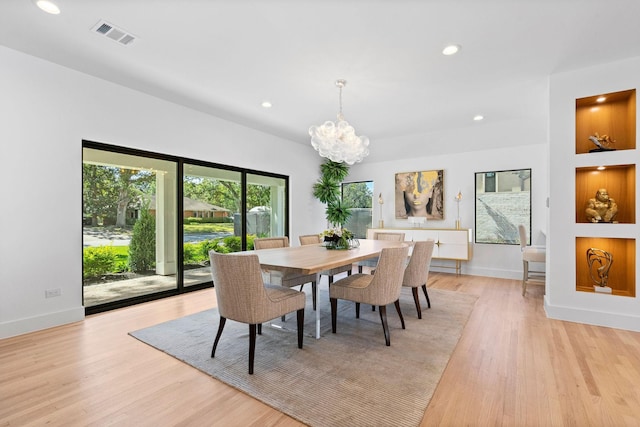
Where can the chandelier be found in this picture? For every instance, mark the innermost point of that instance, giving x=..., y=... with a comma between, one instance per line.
x=338, y=141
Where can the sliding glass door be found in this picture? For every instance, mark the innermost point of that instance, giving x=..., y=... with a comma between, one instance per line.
x=211, y=206
x=266, y=207
x=129, y=226
x=145, y=236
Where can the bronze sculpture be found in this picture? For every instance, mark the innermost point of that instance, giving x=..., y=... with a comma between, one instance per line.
x=601, y=208
x=604, y=260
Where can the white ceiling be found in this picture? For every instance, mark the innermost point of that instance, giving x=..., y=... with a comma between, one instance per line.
x=225, y=57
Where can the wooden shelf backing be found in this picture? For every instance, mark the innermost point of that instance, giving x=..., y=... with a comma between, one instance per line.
x=615, y=117
x=622, y=275
x=620, y=182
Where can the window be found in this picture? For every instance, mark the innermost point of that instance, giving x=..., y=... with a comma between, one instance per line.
x=145, y=236
x=503, y=201
x=359, y=196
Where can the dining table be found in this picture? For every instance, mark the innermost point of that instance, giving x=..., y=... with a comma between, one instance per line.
x=313, y=259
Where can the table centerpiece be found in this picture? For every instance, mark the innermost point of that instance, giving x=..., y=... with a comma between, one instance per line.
x=339, y=238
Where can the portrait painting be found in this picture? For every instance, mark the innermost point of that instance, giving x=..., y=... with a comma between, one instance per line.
x=420, y=194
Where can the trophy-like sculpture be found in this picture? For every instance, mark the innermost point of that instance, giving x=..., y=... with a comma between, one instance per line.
x=601, y=208
x=599, y=262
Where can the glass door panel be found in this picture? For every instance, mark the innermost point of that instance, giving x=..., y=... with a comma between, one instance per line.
x=212, y=219
x=129, y=226
x=266, y=207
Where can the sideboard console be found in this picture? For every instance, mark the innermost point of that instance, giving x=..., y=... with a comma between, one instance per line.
x=450, y=244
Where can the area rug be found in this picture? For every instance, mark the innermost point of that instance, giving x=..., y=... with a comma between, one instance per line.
x=345, y=379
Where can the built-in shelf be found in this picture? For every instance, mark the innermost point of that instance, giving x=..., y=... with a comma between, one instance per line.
x=620, y=183
x=615, y=117
x=622, y=274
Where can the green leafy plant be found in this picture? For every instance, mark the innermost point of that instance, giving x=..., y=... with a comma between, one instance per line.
x=338, y=213
x=327, y=190
x=98, y=261
x=334, y=170
x=142, y=249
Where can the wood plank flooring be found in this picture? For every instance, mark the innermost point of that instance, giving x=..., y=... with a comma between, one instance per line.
x=512, y=367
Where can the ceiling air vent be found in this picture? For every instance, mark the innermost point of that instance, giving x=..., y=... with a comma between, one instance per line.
x=114, y=33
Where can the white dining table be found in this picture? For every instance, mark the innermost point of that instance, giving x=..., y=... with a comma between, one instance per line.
x=312, y=259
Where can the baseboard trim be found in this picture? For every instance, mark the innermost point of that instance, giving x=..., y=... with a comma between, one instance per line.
x=591, y=317
x=37, y=323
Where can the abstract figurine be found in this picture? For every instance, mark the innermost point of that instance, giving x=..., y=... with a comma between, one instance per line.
x=603, y=142
x=602, y=261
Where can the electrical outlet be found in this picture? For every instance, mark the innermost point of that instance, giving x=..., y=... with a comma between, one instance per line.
x=51, y=293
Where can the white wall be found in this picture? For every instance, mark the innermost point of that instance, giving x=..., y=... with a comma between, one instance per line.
x=562, y=301
x=459, y=174
x=46, y=111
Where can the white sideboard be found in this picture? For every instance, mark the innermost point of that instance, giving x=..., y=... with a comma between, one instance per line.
x=450, y=243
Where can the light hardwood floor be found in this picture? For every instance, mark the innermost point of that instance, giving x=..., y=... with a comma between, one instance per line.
x=512, y=367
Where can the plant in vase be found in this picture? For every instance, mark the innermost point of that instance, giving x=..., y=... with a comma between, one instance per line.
x=338, y=238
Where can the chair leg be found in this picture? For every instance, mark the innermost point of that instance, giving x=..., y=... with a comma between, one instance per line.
x=259, y=328
x=357, y=310
x=314, y=293
x=424, y=288
x=334, y=313
x=283, y=318
x=359, y=269
x=525, y=276
x=385, y=326
x=252, y=346
x=223, y=320
x=373, y=308
x=300, y=326
x=414, y=291
x=330, y=280
x=397, y=304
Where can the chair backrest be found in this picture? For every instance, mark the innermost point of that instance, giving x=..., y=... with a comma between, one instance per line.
x=523, y=236
x=386, y=284
x=240, y=291
x=310, y=239
x=396, y=237
x=271, y=242
x=417, y=272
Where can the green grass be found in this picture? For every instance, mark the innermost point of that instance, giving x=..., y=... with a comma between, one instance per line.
x=224, y=227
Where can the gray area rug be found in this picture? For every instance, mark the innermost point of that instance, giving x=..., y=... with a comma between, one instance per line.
x=345, y=379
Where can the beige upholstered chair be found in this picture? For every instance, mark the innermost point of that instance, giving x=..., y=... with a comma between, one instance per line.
x=289, y=277
x=530, y=253
x=242, y=296
x=380, y=235
x=314, y=239
x=379, y=289
x=417, y=272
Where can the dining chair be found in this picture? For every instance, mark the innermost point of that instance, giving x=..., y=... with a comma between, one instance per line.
x=416, y=274
x=242, y=296
x=378, y=289
x=289, y=277
x=380, y=235
x=530, y=253
x=314, y=239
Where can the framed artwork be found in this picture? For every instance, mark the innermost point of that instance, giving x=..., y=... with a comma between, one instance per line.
x=420, y=194
x=502, y=202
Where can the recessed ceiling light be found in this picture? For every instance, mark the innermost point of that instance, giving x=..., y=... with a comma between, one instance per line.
x=48, y=6
x=266, y=104
x=478, y=117
x=601, y=168
x=601, y=99
x=452, y=49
